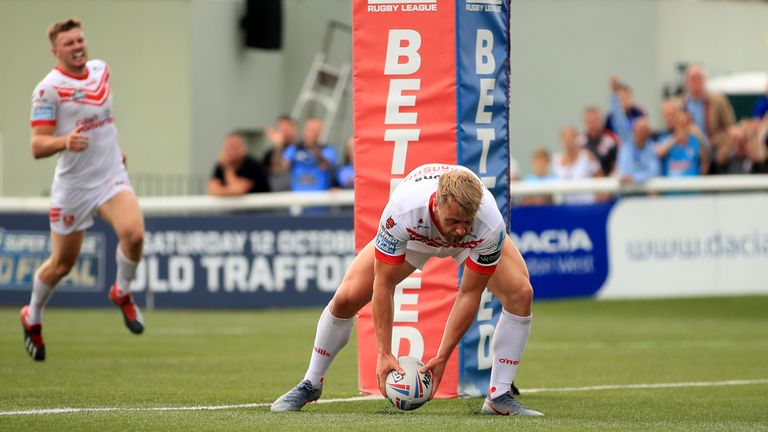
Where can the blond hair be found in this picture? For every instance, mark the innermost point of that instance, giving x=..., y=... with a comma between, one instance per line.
x=61, y=27
x=461, y=187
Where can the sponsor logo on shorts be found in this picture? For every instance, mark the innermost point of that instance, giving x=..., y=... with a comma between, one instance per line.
x=390, y=223
x=54, y=214
x=488, y=259
x=503, y=360
x=68, y=220
x=386, y=243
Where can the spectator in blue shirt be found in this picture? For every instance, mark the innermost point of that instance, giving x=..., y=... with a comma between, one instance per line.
x=683, y=153
x=761, y=106
x=637, y=161
x=311, y=163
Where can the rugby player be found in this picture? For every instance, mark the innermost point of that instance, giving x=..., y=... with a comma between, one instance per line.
x=437, y=211
x=72, y=118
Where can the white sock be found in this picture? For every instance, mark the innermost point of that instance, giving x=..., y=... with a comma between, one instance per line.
x=41, y=293
x=332, y=334
x=509, y=340
x=126, y=272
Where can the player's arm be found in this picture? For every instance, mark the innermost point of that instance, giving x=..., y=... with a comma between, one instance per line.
x=45, y=144
x=461, y=317
x=386, y=276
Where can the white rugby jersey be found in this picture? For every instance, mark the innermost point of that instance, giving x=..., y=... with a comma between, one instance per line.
x=67, y=101
x=409, y=223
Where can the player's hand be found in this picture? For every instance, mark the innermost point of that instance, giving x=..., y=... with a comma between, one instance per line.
x=385, y=364
x=436, y=367
x=76, y=141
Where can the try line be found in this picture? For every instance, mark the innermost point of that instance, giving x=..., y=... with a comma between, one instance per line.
x=374, y=397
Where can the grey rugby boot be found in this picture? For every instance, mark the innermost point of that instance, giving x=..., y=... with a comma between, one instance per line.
x=506, y=404
x=297, y=397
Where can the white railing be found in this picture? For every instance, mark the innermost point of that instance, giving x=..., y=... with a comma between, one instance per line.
x=295, y=202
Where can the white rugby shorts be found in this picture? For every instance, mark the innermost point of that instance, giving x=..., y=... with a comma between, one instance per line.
x=72, y=209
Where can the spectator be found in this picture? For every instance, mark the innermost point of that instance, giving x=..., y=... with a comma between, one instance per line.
x=575, y=163
x=236, y=172
x=541, y=161
x=744, y=154
x=682, y=152
x=710, y=111
x=602, y=143
x=631, y=110
x=761, y=106
x=345, y=175
x=637, y=159
x=280, y=137
x=311, y=162
x=669, y=110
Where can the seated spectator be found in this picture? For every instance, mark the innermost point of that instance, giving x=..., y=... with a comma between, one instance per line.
x=637, y=159
x=682, y=153
x=631, y=110
x=280, y=137
x=761, y=106
x=540, y=162
x=345, y=175
x=575, y=163
x=602, y=143
x=236, y=172
x=744, y=153
x=710, y=111
x=311, y=162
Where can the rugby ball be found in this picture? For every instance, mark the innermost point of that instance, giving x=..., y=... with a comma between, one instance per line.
x=412, y=390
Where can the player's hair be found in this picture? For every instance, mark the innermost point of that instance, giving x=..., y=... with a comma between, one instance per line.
x=61, y=27
x=463, y=188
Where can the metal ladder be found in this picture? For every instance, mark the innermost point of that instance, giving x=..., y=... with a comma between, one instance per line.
x=325, y=84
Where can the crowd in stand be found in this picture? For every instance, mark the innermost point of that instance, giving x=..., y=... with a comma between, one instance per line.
x=700, y=136
x=292, y=163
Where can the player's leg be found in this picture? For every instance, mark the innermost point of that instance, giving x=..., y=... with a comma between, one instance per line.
x=333, y=329
x=511, y=285
x=65, y=248
x=122, y=211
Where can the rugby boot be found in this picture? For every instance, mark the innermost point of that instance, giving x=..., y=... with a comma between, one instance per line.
x=132, y=316
x=33, y=337
x=505, y=404
x=297, y=397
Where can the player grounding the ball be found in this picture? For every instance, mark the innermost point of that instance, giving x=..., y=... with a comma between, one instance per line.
x=437, y=211
x=72, y=118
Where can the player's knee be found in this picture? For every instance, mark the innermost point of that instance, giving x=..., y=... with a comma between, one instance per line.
x=344, y=306
x=133, y=238
x=62, y=268
x=523, y=290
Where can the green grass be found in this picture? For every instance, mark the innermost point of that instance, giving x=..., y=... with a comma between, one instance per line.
x=236, y=357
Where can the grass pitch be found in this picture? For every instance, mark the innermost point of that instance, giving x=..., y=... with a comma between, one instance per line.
x=200, y=358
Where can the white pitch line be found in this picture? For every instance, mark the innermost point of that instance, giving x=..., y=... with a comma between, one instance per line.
x=374, y=397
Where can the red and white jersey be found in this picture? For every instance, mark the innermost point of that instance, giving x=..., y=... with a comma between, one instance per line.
x=67, y=101
x=409, y=223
